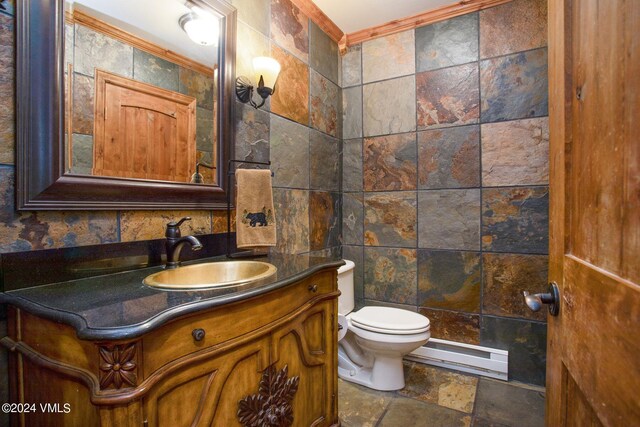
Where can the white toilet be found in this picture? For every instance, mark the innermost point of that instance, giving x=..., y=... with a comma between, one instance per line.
x=373, y=340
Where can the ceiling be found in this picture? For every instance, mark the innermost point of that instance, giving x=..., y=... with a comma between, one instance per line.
x=355, y=15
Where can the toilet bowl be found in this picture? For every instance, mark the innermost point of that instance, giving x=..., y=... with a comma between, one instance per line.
x=373, y=340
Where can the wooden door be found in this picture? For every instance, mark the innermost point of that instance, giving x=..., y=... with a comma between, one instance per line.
x=142, y=131
x=593, y=371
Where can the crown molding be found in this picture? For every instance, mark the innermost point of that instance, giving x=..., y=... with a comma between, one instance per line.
x=309, y=8
x=429, y=17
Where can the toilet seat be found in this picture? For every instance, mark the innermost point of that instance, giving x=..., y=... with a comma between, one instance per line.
x=394, y=338
x=387, y=320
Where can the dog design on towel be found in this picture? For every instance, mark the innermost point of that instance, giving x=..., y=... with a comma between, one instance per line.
x=258, y=219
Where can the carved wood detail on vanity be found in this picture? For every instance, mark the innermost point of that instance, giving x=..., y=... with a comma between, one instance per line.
x=271, y=406
x=118, y=366
x=281, y=344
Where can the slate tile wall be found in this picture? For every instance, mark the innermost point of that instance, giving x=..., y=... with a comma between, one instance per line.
x=301, y=124
x=445, y=176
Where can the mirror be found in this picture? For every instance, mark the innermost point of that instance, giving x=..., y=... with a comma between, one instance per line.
x=122, y=109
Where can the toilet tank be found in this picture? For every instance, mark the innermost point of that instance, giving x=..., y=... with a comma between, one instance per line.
x=346, y=301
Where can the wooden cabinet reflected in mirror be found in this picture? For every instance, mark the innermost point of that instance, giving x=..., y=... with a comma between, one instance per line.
x=138, y=112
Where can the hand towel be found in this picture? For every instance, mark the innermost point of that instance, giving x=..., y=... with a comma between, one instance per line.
x=255, y=216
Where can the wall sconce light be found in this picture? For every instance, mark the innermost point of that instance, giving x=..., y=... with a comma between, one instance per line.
x=266, y=72
x=200, y=28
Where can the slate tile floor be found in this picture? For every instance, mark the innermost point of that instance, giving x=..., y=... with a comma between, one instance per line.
x=437, y=397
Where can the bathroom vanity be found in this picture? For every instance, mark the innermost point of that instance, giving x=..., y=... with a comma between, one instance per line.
x=110, y=351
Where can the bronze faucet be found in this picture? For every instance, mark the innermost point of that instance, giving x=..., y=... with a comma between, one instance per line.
x=175, y=242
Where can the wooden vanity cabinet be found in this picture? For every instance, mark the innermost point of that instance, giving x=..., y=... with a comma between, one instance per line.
x=268, y=360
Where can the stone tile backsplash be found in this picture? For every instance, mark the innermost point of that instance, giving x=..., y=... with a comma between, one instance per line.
x=506, y=276
x=514, y=86
x=388, y=57
x=447, y=97
x=515, y=27
x=352, y=165
x=324, y=224
x=292, y=101
x=289, y=153
x=323, y=53
x=324, y=162
x=289, y=28
x=390, y=219
x=389, y=107
x=515, y=219
x=325, y=104
x=149, y=225
x=352, y=66
x=449, y=158
x=447, y=43
x=515, y=152
x=449, y=280
x=7, y=90
x=389, y=162
x=449, y=219
x=391, y=275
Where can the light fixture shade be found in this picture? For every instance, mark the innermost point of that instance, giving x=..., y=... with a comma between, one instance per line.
x=202, y=30
x=268, y=68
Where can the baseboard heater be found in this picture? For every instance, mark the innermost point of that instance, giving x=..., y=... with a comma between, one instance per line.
x=473, y=359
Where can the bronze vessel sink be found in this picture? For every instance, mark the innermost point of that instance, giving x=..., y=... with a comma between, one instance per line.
x=211, y=275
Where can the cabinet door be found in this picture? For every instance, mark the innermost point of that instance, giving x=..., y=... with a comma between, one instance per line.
x=307, y=346
x=205, y=391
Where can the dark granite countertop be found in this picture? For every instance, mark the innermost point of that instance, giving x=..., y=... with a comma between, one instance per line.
x=120, y=306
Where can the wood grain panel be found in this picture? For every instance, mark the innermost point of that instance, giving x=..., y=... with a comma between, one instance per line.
x=45, y=386
x=605, y=369
x=123, y=415
x=425, y=18
x=605, y=223
x=142, y=131
x=242, y=380
x=581, y=414
x=560, y=99
x=594, y=58
x=213, y=387
x=291, y=348
x=57, y=341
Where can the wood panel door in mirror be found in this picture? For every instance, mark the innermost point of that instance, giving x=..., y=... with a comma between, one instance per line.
x=142, y=131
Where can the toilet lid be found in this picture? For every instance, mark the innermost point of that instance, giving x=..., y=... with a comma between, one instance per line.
x=389, y=320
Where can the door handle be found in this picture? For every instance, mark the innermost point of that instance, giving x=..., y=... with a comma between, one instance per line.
x=535, y=301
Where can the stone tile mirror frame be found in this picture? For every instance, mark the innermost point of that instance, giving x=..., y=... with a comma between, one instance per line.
x=41, y=181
